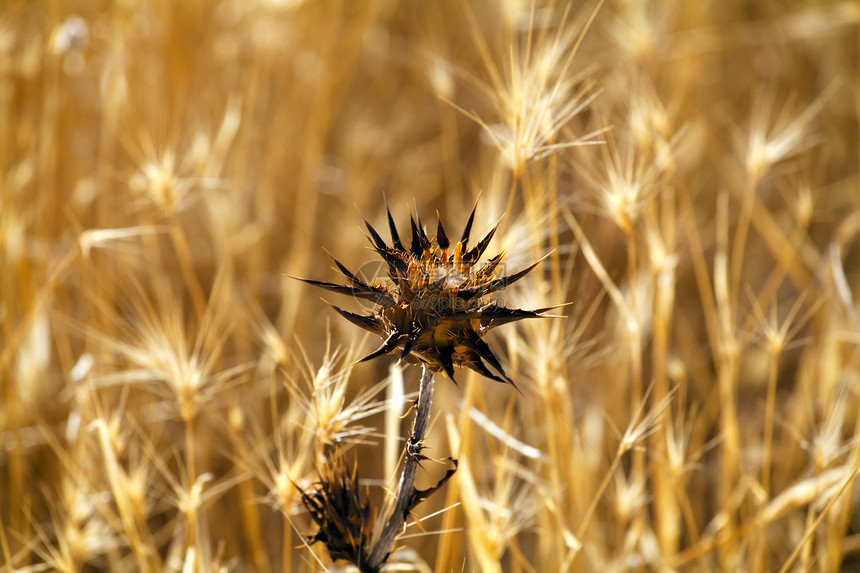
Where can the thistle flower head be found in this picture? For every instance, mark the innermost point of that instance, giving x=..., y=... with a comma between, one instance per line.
x=436, y=304
x=343, y=515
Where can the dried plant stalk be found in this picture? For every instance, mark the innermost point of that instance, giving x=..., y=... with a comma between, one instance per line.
x=407, y=495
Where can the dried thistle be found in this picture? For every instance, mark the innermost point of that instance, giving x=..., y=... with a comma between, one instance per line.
x=436, y=305
x=434, y=308
x=336, y=505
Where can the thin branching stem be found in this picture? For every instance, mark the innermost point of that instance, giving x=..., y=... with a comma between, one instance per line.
x=406, y=488
x=191, y=470
x=186, y=265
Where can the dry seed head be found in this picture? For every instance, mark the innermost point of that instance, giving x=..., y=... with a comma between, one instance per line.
x=83, y=533
x=279, y=460
x=283, y=491
x=514, y=506
x=643, y=424
x=332, y=419
x=630, y=495
x=436, y=305
x=640, y=31
x=158, y=179
x=533, y=93
x=826, y=444
x=777, y=337
x=773, y=140
x=651, y=123
x=498, y=520
x=628, y=178
x=343, y=516
x=680, y=435
x=171, y=179
x=153, y=348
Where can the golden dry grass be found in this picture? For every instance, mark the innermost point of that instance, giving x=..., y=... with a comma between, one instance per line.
x=693, y=167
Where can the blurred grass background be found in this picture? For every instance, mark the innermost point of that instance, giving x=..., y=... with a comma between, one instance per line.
x=693, y=167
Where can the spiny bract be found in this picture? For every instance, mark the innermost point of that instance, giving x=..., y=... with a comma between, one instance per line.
x=340, y=511
x=436, y=307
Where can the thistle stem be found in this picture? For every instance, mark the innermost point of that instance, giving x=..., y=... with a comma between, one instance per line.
x=406, y=488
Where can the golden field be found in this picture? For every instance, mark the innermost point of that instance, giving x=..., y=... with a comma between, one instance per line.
x=691, y=168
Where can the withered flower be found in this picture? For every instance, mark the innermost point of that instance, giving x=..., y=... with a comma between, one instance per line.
x=335, y=504
x=436, y=304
